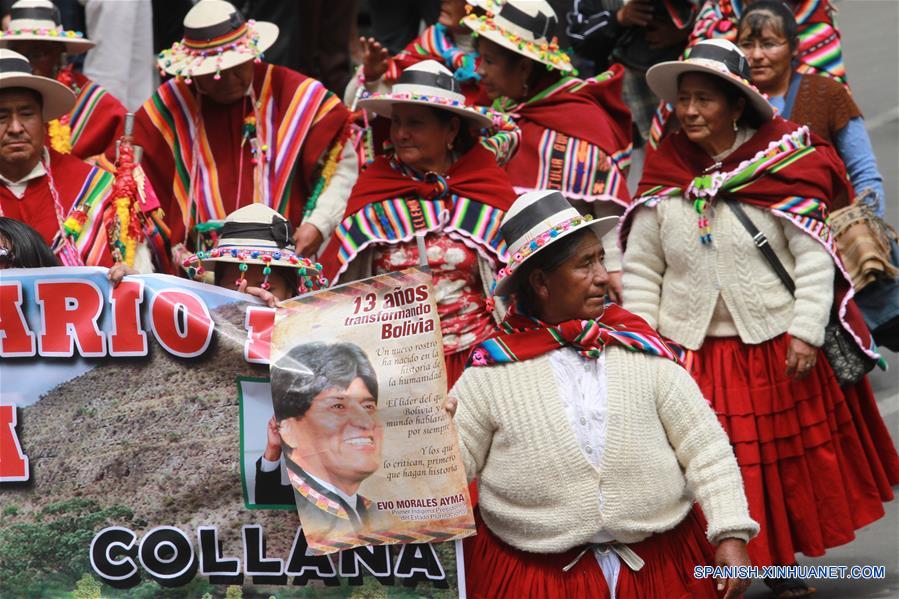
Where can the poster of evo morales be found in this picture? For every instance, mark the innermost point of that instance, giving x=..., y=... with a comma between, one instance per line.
x=132, y=420
x=358, y=385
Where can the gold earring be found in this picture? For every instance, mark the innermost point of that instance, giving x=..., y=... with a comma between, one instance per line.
x=735, y=125
x=449, y=145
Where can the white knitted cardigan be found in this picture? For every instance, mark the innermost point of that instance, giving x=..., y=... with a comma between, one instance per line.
x=537, y=491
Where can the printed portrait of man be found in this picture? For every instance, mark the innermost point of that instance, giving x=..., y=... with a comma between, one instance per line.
x=325, y=399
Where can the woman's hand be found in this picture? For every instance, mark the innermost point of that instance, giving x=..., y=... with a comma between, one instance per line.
x=307, y=239
x=450, y=406
x=732, y=553
x=636, y=13
x=374, y=59
x=118, y=272
x=801, y=358
x=267, y=296
x=615, y=286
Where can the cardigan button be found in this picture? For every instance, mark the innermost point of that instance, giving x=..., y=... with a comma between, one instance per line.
x=583, y=420
x=588, y=449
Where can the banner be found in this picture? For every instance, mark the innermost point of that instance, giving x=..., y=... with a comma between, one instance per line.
x=359, y=384
x=133, y=423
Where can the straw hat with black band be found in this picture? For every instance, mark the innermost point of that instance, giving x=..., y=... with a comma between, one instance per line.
x=526, y=27
x=719, y=58
x=533, y=223
x=15, y=72
x=216, y=38
x=427, y=83
x=257, y=234
x=40, y=21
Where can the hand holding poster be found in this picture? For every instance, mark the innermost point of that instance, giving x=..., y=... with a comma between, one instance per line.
x=358, y=388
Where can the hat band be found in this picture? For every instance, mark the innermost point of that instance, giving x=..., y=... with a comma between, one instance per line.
x=438, y=80
x=277, y=232
x=37, y=13
x=732, y=59
x=540, y=25
x=541, y=210
x=15, y=65
x=203, y=37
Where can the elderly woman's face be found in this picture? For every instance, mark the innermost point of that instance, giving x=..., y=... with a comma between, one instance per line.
x=704, y=112
x=769, y=55
x=421, y=140
x=501, y=76
x=576, y=289
x=231, y=86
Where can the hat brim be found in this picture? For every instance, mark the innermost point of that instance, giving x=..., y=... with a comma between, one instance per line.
x=600, y=226
x=496, y=36
x=662, y=80
x=383, y=105
x=176, y=63
x=73, y=45
x=57, y=98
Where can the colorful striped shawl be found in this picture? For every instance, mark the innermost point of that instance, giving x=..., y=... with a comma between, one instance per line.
x=282, y=125
x=93, y=199
x=781, y=158
x=435, y=43
x=523, y=338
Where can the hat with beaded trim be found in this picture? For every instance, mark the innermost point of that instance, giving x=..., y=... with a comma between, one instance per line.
x=40, y=21
x=717, y=57
x=535, y=221
x=216, y=38
x=527, y=27
x=428, y=83
x=257, y=234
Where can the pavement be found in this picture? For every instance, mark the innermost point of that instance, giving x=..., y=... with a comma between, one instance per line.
x=871, y=51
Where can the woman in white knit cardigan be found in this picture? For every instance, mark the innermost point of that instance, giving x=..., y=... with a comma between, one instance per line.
x=589, y=440
x=817, y=460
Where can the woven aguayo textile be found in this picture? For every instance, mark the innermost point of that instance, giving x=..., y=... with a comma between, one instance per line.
x=783, y=168
x=93, y=123
x=523, y=337
x=205, y=160
x=576, y=138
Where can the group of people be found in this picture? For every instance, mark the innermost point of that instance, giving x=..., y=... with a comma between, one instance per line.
x=640, y=384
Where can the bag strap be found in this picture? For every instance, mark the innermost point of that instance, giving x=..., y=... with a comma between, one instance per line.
x=761, y=242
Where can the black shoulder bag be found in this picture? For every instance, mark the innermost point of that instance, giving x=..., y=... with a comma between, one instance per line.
x=849, y=363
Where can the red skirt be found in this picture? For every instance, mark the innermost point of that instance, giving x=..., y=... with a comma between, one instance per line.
x=817, y=460
x=455, y=365
x=494, y=569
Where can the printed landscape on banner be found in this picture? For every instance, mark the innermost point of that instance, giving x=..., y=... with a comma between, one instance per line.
x=358, y=386
x=131, y=420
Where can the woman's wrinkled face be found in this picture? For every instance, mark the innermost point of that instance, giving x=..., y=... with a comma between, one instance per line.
x=704, y=112
x=501, y=76
x=576, y=289
x=421, y=140
x=769, y=54
x=45, y=57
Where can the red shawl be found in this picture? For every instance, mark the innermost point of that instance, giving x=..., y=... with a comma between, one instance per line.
x=797, y=178
x=523, y=338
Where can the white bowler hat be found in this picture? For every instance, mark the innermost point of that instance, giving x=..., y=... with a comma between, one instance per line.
x=216, y=38
x=527, y=27
x=533, y=223
x=719, y=58
x=39, y=20
x=428, y=83
x=15, y=71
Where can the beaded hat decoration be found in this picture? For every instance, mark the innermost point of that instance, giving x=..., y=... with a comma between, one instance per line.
x=428, y=83
x=216, y=38
x=15, y=71
x=39, y=20
x=526, y=27
x=257, y=234
x=534, y=222
x=717, y=57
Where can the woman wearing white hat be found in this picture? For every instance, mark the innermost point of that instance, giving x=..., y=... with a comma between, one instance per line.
x=230, y=130
x=729, y=253
x=585, y=434
x=442, y=184
x=91, y=126
x=576, y=134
